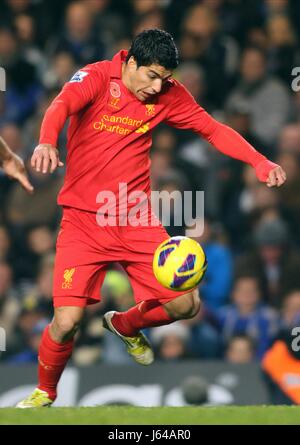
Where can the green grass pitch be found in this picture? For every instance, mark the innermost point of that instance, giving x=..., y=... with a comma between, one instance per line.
x=129, y=415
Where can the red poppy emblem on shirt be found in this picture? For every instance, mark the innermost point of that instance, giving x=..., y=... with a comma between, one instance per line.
x=115, y=90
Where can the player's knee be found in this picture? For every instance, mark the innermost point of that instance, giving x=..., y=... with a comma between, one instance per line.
x=65, y=325
x=65, y=328
x=191, y=306
x=184, y=307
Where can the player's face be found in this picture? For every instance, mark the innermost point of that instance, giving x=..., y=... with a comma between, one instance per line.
x=146, y=81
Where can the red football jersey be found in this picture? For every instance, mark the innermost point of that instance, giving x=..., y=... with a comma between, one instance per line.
x=109, y=135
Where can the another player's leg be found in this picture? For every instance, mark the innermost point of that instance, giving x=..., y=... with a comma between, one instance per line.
x=54, y=352
x=148, y=314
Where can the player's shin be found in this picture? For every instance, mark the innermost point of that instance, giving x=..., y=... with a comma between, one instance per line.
x=147, y=314
x=53, y=358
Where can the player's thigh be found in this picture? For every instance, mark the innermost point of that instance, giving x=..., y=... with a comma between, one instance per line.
x=79, y=268
x=76, y=284
x=142, y=243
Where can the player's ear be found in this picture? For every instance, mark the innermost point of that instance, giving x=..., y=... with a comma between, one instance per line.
x=132, y=63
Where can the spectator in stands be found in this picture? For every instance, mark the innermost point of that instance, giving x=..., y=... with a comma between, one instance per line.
x=110, y=24
x=240, y=350
x=239, y=118
x=204, y=340
x=26, y=31
x=17, y=341
x=39, y=297
x=171, y=342
x=216, y=286
x=268, y=100
x=34, y=243
x=296, y=97
x=191, y=75
x=32, y=341
x=194, y=155
x=60, y=71
x=247, y=315
x=290, y=311
x=5, y=243
x=78, y=36
x=23, y=88
x=39, y=208
x=11, y=133
x=239, y=185
x=40, y=240
x=165, y=139
x=289, y=139
x=283, y=53
x=12, y=253
x=201, y=41
x=172, y=183
x=273, y=261
x=162, y=161
x=289, y=197
x=150, y=20
x=275, y=7
x=141, y=7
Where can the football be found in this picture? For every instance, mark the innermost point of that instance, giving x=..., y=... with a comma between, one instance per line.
x=179, y=263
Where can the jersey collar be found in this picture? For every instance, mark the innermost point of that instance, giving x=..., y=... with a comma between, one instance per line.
x=116, y=64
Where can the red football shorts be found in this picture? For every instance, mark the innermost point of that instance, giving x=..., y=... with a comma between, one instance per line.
x=84, y=251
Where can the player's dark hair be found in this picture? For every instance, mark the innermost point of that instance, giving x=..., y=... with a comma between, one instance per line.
x=154, y=46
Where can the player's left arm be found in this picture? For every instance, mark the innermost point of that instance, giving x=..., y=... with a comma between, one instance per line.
x=185, y=113
x=232, y=144
x=13, y=166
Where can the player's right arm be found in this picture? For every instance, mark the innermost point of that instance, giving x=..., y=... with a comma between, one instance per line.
x=82, y=89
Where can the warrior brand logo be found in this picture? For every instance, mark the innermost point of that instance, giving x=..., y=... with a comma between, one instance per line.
x=150, y=109
x=144, y=129
x=68, y=277
x=115, y=90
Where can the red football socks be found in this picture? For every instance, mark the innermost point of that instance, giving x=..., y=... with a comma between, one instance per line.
x=147, y=314
x=53, y=358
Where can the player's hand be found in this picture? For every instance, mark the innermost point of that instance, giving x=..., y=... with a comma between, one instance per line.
x=15, y=169
x=270, y=173
x=45, y=158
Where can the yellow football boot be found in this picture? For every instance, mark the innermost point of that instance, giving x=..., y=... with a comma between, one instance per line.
x=37, y=399
x=138, y=347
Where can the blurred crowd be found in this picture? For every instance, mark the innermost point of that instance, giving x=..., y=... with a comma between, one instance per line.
x=237, y=58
